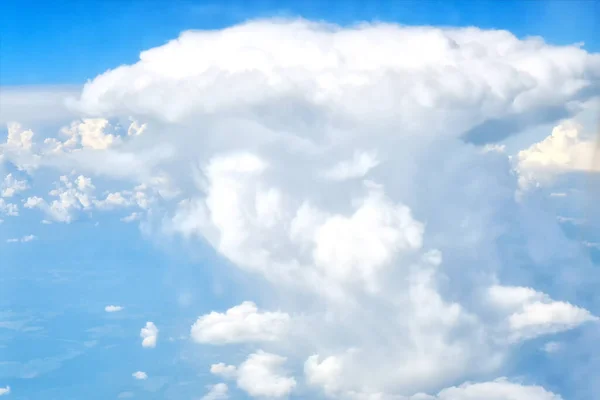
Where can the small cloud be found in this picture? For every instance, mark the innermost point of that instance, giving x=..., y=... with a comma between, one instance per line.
x=149, y=335
x=357, y=167
x=592, y=245
x=552, y=347
x=217, y=392
x=223, y=370
x=12, y=186
x=558, y=194
x=24, y=239
x=4, y=390
x=112, y=308
x=140, y=375
x=135, y=216
x=496, y=148
x=570, y=220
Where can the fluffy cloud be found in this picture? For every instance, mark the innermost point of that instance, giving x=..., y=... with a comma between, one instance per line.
x=338, y=165
x=220, y=391
x=242, y=323
x=224, y=370
x=500, y=389
x=261, y=375
x=360, y=164
x=567, y=149
x=111, y=309
x=140, y=375
x=533, y=313
x=149, y=335
x=4, y=390
x=72, y=196
x=11, y=186
x=9, y=209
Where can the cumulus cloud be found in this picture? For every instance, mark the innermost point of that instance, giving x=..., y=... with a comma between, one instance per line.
x=532, y=313
x=12, y=186
x=220, y=391
x=242, y=323
x=72, y=196
x=344, y=166
x=9, y=209
x=223, y=370
x=111, y=309
x=500, y=389
x=261, y=375
x=140, y=375
x=149, y=335
x=4, y=390
x=567, y=149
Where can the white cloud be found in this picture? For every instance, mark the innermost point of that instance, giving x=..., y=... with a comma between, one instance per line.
x=500, y=389
x=4, y=390
x=77, y=195
x=224, y=370
x=325, y=374
x=35, y=104
x=111, y=309
x=9, y=209
x=220, y=391
x=552, y=347
x=140, y=375
x=261, y=375
x=23, y=239
x=565, y=150
x=531, y=313
x=380, y=276
x=73, y=196
x=18, y=139
x=242, y=323
x=134, y=216
x=358, y=167
x=12, y=186
x=149, y=335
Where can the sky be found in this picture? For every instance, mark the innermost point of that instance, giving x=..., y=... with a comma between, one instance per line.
x=299, y=200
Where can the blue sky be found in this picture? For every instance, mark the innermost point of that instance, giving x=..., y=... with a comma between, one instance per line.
x=297, y=210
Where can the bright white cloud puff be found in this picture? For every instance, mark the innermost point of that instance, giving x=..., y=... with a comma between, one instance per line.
x=149, y=335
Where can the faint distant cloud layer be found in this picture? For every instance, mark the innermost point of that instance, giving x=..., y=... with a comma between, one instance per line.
x=49, y=103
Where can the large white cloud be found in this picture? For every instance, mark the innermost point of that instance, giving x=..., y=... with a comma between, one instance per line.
x=333, y=163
